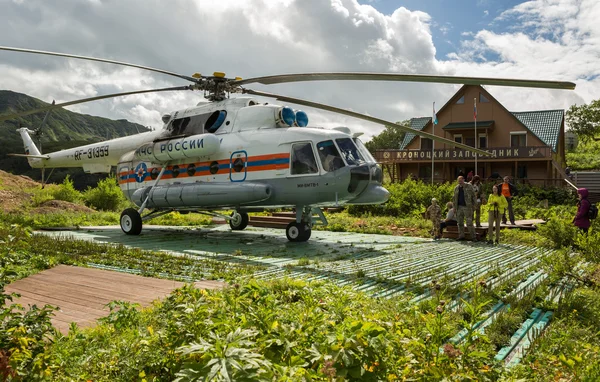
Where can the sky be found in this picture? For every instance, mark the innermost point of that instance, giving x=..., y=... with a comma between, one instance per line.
x=536, y=39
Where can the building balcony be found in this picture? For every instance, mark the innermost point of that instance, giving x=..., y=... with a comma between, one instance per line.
x=523, y=153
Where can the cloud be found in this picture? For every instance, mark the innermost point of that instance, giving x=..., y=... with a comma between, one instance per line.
x=262, y=37
x=486, y=13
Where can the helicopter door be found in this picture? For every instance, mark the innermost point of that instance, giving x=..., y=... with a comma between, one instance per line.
x=238, y=165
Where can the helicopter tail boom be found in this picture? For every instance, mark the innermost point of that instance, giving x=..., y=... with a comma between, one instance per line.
x=32, y=153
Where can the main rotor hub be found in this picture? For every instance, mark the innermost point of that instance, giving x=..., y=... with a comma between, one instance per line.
x=216, y=87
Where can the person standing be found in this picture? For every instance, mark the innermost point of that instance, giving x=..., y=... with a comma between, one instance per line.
x=581, y=219
x=434, y=213
x=464, y=200
x=509, y=191
x=497, y=203
x=477, y=187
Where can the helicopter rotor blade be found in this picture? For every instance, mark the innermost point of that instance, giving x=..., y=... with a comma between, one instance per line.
x=83, y=100
x=365, y=118
x=187, y=78
x=302, y=77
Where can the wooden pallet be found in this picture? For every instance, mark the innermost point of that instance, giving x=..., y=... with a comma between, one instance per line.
x=82, y=293
x=452, y=233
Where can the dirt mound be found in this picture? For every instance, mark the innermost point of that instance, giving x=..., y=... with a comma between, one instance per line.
x=12, y=182
x=14, y=191
x=58, y=206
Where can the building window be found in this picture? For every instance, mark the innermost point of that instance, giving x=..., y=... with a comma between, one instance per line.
x=482, y=98
x=426, y=144
x=458, y=138
x=461, y=100
x=518, y=139
x=521, y=171
x=425, y=172
x=483, y=141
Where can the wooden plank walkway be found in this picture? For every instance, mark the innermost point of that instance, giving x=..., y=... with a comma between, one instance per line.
x=82, y=293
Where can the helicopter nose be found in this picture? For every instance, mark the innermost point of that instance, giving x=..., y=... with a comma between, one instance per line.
x=374, y=194
x=359, y=179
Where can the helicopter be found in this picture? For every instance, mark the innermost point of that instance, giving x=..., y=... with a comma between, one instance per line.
x=240, y=154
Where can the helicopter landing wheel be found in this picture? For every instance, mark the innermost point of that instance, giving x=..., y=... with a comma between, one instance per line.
x=239, y=220
x=298, y=232
x=131, y=222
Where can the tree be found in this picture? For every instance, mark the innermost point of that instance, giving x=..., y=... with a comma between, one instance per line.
x=390, y=138
x=584, y=120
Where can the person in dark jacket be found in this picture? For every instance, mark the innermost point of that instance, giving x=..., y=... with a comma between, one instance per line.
x=581, y=219
x=509, y=191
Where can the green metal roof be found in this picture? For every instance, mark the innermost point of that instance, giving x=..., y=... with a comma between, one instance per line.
x=415, y=124
x=467, y=125
x=543, y=124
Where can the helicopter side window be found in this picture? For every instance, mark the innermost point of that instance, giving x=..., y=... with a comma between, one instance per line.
x=349, y=151
x=329, y=156
x=303, y=159
x=189, y=125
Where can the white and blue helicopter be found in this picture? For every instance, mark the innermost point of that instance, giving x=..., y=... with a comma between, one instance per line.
x=240, y=154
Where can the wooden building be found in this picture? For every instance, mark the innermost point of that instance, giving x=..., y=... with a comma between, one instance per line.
x=528, y=146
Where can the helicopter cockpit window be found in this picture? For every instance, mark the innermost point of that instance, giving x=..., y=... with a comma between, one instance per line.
x=303, y=159
x=364, y=150
x=350, y=152
x=329, y=156
x=215, y=121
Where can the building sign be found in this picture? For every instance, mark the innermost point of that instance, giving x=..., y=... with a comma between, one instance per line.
x=460, y=154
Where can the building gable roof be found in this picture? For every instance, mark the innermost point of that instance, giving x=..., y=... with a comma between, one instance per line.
x=415, y=124
x=544, y=124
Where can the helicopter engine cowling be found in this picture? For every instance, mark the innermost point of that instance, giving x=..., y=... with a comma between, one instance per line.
x=202, y=195
x=180, y=148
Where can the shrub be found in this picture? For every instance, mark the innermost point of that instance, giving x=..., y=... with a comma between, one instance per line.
x=408, y=198
x=589, y=245
x=559, y=231
x=106, y=196
x=66, y=191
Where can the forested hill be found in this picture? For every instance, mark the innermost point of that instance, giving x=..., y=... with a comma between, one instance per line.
x=63, y=129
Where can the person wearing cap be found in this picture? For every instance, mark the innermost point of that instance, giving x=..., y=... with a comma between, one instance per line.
x=581, y=219
x=434, y=213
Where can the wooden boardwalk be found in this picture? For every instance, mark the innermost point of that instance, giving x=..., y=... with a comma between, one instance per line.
x=82, y=293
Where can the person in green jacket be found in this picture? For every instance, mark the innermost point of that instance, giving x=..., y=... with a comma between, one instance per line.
x=497, y=204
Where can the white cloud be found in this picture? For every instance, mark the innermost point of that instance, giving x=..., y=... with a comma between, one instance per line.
x=550, y=39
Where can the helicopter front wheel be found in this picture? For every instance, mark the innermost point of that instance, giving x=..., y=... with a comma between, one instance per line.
x=131, y=222
x=298, y=232
x=239, y=220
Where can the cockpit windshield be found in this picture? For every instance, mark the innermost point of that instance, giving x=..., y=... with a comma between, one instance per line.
x=329, y=156
x=349, y=151
x=364, y=150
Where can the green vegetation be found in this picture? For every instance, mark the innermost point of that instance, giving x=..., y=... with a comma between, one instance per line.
x=585, y=157
x=390, y=138
x=584, y=120
x=296, y=330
